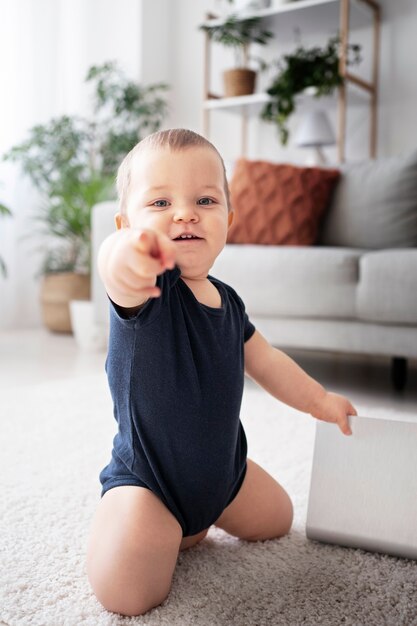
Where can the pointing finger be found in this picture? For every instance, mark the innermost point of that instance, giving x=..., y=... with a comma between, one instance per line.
x=145, y=242
x=166, y=250
x=158, y=246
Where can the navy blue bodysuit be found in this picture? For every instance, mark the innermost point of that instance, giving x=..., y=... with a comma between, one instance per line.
x=176, y=372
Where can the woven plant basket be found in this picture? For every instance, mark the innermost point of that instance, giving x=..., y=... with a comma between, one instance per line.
x=239, y=82
x=57, y=290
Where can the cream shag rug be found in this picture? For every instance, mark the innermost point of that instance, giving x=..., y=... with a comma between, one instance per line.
x=56, y=437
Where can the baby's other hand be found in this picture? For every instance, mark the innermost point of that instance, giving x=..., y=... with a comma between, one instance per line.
x=335, y=408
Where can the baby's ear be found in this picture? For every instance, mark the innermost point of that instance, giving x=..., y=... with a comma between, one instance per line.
x=230, y=218
x=121, y=221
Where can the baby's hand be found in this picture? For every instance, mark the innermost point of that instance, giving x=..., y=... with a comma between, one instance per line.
x=334, y=408
x=129, y=261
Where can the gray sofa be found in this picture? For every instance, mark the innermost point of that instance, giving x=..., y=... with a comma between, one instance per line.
x=354, y=292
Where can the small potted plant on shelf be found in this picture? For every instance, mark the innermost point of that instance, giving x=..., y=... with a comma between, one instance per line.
x=238, y=34
x=72, y=162
x=315, y=70
x=4, y=211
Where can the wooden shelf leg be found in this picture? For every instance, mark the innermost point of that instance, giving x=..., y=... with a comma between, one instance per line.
x=344, y=40
x=206, y=83
x=374, y=97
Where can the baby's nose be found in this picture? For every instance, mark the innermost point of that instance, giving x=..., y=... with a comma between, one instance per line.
x=185, y=214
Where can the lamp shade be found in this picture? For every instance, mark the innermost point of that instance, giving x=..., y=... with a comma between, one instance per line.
x=314, y=130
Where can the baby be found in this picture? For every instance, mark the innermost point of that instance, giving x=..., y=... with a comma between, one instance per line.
x=180, y=343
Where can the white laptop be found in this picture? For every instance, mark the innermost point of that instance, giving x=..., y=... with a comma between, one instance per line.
x=363, y=490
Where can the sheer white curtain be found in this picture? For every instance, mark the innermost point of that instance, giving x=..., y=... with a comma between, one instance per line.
x=45, y=49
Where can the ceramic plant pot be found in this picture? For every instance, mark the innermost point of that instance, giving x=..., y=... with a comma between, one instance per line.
x=89, y=335
x=239, y=82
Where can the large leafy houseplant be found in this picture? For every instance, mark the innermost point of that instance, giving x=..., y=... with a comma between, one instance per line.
x=237, y=33
x=316, y=68
x=72, y=161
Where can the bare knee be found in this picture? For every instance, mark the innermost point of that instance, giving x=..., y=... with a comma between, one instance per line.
x=138, y=607
x=132, y=551
x=115, y=594
x=128, y=604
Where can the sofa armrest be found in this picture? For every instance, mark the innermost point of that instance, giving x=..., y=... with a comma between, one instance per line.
x=102, y=225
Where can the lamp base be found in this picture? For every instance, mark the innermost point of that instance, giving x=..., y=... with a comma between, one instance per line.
x=317, y=158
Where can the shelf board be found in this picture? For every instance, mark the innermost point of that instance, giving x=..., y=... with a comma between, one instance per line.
x=252, y=103
x=255, y=102
x=295, y=5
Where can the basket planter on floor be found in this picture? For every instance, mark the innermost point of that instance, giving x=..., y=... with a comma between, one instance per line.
x=57, y=290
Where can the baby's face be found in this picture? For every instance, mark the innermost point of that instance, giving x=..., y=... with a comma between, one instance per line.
x=179, y=193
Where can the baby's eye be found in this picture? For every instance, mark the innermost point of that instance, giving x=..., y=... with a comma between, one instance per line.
x=205, y=201
x=160, y=204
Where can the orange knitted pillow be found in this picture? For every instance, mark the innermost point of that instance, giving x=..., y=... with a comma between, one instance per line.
x=278, y=204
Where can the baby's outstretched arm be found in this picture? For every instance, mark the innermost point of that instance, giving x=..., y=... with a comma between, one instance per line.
x=129, y=261
x=285, y=380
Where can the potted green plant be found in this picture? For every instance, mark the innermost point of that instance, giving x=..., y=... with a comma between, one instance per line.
x=72, y=162
x=315, y=69
x=3, y=212
x=238, y=34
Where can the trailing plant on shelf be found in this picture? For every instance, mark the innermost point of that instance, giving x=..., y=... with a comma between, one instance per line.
x=72, y=161
x=316, y=68
x=237, y=33
x=4, y=211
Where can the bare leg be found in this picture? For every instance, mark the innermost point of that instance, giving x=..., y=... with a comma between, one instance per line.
x=132, y=551
x=261, y=510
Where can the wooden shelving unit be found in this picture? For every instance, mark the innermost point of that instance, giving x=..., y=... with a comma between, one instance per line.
x=246, y=106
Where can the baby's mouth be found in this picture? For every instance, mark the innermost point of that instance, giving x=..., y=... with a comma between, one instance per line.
x=186, y=237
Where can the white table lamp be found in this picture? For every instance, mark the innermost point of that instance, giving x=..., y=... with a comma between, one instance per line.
x=315, y=132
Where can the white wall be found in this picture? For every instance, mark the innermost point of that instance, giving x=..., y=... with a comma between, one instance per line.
x=398, y=78
x=47, y=46
x=157, y=40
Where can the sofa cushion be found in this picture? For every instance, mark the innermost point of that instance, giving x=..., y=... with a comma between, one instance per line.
x=387, y=290
x=374, y=205
x=295, y=281
x=278, y=203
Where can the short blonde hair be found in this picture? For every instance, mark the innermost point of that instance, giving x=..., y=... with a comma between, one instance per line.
x=174, y=139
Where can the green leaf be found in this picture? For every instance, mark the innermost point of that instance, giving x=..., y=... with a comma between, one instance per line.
x=237, y=33
x=4, y=210
x=3, y=268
